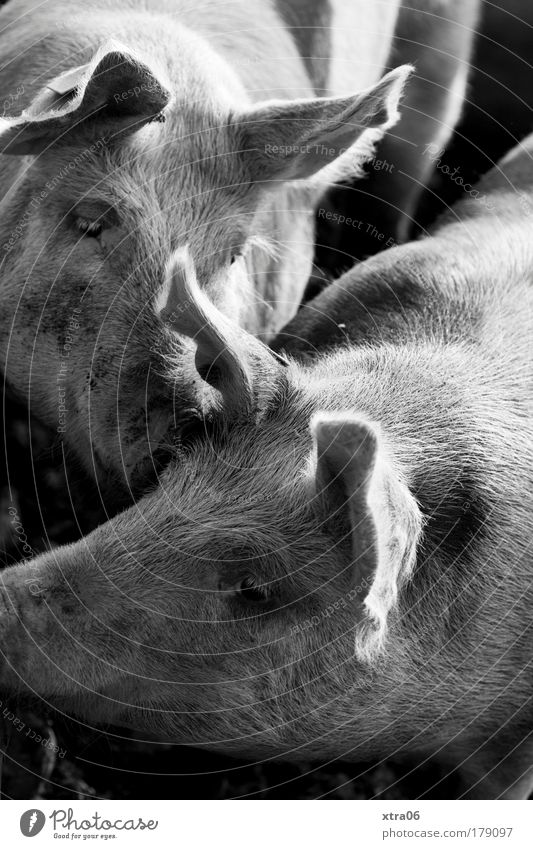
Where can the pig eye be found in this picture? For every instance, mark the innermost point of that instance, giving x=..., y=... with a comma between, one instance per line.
x=89, y=228
x=92, y=217
x=235, y=256
x=250, y=590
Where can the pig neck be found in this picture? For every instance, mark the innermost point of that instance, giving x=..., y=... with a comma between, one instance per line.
x=436, y=353
x=443, y=287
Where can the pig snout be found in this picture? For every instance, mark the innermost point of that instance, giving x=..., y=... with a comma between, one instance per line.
x=77, y=636
x=22, y=594
x=52, y=624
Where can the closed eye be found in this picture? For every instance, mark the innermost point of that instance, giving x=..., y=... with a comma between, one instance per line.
x=91, y=217
x=252, y=591
x=89, y=228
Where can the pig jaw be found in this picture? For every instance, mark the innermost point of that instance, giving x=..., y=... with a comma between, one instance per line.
x=54, y=646
x=291, y=710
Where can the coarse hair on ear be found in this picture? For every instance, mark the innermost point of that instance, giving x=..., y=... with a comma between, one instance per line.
x=326, y=136
x=359, y=484
x=228, y=358
x=114, y=93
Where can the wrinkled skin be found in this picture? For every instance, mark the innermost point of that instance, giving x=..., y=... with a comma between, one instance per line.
x=337, y=564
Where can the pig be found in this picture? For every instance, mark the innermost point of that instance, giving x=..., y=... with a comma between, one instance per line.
x=132, y=130
x=336, y=563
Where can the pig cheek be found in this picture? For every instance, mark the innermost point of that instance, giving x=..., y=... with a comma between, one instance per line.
x=36, y=359
x=117, y=248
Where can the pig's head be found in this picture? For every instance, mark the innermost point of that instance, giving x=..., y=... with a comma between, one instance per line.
x=246, y=602
x=122, y=161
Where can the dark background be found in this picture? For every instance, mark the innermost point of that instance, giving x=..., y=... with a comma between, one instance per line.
x=111, y=764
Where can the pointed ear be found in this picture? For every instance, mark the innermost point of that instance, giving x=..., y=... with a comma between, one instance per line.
x=366, y=499
x=227, y=357
x=294, y=139
x=114, y=92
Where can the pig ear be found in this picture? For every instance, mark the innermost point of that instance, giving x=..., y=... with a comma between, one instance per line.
x=367, y=500
x=114, y=92
x=294, y=139
x=227, y=357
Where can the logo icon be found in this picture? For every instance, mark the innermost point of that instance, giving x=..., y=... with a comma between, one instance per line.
x=32, y=822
